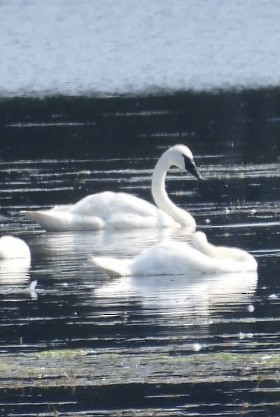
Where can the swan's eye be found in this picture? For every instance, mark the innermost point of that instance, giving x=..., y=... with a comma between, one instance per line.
x=191, y=167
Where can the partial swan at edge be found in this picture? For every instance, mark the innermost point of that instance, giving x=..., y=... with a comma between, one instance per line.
x=13, y=247
x=122, y=210
x=172, y=257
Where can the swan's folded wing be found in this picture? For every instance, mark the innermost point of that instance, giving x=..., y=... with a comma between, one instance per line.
x=107, y=203
x=122, y=211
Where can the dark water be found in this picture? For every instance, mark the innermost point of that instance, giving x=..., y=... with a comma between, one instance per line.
x=86, y=344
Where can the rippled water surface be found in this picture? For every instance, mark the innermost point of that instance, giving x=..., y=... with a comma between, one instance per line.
x=82, y=343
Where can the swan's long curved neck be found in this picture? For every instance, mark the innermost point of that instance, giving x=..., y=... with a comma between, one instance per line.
x=160, y=195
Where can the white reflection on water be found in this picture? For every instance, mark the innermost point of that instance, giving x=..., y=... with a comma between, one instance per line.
x=14, y=271
x=15, y=278
x=117, y=242
x=190, y=294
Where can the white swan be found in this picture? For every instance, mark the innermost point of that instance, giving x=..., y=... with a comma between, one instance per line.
x=13, y=248
x=125, y=211
x=172, y=257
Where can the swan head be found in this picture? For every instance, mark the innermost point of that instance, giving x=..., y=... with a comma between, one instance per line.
x=182, y=158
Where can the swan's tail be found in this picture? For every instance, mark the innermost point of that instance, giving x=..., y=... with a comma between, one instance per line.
x=53, y=221
x=40, y=217
x=113, y=266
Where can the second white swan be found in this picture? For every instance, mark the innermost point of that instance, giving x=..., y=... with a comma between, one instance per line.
x=122, y=210
x=176, y=258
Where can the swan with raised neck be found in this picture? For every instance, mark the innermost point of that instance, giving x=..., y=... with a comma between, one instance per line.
x=118, y=210
x=181, y=157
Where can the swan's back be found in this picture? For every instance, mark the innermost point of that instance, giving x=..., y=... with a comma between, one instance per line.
x=173, y=257
x=170, y=257
x=122, y=210
x=107, y=203
x=12, y=247
x=167, y=257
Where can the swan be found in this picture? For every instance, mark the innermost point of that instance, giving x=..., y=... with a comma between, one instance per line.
x=118, y=210
x=173, y=257
x=13, y=248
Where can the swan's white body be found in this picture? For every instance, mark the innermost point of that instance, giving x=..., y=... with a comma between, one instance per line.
x=125, y=211
x=13, y=248
x=172, y=257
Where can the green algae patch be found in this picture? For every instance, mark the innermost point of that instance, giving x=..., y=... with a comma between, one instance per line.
x=5, y=367
x=86, y=367
x=62, y=353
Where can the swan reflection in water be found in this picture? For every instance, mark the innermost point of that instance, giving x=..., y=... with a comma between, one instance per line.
x=84, y=245
x=189, y=294
x=15, y=278
x=14, y=271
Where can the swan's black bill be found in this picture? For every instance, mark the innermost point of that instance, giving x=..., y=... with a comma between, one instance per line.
x=192, y=168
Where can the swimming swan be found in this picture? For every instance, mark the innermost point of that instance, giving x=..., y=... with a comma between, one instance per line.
x=13, y=247
x=173, y=257
x=122, y=210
